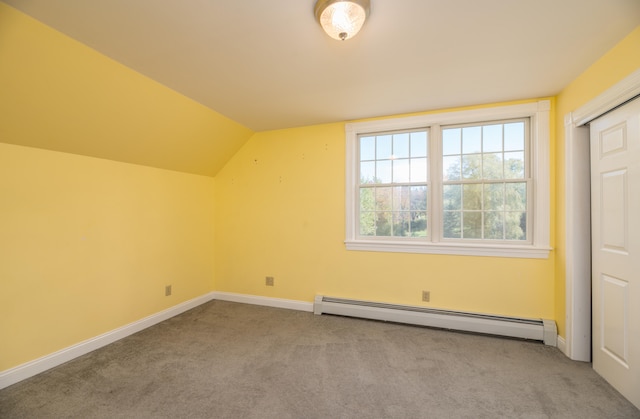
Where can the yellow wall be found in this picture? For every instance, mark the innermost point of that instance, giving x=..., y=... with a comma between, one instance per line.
x=88, y=245
x=58, y=94
x=614, y=66
x=280, y=211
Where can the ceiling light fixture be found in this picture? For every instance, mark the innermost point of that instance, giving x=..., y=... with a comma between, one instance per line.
x=341, y=19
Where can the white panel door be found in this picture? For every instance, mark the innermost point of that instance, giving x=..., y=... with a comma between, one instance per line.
x=615, y=219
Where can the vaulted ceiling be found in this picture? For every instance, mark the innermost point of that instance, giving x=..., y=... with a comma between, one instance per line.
x=267, y=64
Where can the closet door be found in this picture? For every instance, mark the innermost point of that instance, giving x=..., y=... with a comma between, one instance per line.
x=615, y=219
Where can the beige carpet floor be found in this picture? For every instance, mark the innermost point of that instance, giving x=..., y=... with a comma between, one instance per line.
x=229, y=360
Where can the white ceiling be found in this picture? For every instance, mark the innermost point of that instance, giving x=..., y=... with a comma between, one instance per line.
x=267, y=64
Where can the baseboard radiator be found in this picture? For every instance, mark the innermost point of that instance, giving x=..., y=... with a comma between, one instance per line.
x=534, y=329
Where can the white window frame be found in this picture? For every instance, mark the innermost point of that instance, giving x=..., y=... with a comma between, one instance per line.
x=538, y=247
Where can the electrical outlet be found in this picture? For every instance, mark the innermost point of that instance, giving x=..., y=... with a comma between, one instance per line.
x=167, y=290
x=426, y=296
x=269, y=281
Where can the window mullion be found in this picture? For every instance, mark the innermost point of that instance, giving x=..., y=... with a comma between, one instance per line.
x=435, y=184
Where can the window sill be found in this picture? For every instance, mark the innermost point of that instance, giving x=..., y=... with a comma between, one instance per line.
x=511, y=251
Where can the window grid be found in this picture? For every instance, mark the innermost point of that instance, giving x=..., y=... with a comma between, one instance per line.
x=393, y=184
x=486, y=181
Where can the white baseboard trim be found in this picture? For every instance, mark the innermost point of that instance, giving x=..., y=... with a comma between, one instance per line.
x=31, y=368
x=264, y=301
x=562, y=345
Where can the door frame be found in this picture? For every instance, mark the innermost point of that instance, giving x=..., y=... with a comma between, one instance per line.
x=577, y=341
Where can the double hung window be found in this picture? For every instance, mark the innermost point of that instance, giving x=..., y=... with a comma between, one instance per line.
x=470, y=182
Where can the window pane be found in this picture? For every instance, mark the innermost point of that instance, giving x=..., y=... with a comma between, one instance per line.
x=368, y=172
x=515, y=225
x=367, y=148
x=418, y=170
x=491, y=138
x=367, y=199
x=406, y=198
x=471, y=166
x=383, y=147
x=383, y=199
x=419, y=144
x=514, y=165
x=516, y=196
x=401, y=170
x=401, y=198
x=472, y=225
x=472, y=197
x=367, y=223
x=383, y=171
x=383, y=223
x=492, y=166
x=451, y=225
x=452, y=197
x=401, y=223
x=418, y=198
x=494, y=196
x=471, y=140
x=451, y=168
x=514, y=136
x=494, y=225
x=401, y=145
x=396, y=202
x=451, y=141
x=419, y=224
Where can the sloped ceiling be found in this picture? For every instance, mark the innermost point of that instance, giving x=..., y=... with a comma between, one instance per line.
x=268, y=65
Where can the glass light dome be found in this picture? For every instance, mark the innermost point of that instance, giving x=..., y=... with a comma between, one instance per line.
x=342, y=19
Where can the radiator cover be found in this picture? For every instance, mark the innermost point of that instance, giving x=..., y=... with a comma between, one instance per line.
x=534, y=329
